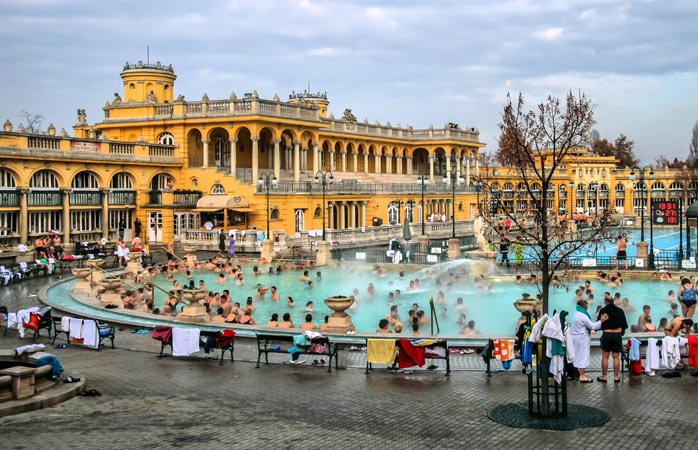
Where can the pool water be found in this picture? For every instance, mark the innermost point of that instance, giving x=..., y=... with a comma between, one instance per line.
x=493, y=313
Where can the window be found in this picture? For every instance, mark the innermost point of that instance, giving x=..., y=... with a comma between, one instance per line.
x=393, y=214
x=8, y=223
x=161, y=181
x=676, y=185
x=166, y=139
x=580, y=204
x=521, y=205
x=117, y=215
x=408, y=211
x=132, y=86
x=639, y=203
x=85, y=220
x=85, y=180
x=217, y=189
x=620, y=189
x=603, y=204
x=275, y=214
x=562, y=204
x=620, y=204
x=7, y=180
x=44, y=179
x=121, y=180
x=317, y=213
x=42, y=222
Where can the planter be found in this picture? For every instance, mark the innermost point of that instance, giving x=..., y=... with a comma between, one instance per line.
x=111, y=283
x=189, y=248
x=135, y=256
x=193, y=295
x=339, y=304
x=96, y=262
x=81, y=272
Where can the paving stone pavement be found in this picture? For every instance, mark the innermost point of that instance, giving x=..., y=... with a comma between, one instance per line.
x=195, y=403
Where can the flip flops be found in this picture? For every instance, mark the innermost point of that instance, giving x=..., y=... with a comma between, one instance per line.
x=602, y=380
x=90, y=393
x=59, y=346
x=588, y=380
x=71, y=380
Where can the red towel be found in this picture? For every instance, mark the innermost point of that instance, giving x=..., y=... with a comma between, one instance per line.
x=693, y=351
x=409, y=355
x=635, y=366
x=163, y=333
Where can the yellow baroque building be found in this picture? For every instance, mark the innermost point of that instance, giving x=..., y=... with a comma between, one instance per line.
x=178, y=165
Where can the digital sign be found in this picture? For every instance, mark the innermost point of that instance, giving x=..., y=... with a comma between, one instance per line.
x=666, y=212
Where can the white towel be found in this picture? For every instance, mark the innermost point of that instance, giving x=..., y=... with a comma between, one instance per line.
x=652, y=358
x=670, y=352
x=22, y=349
x=11, y=320
x=23, y=316
x=75, y=328
x=89, y=333
x=312, y=334
x=65, y=323
x=185, y=341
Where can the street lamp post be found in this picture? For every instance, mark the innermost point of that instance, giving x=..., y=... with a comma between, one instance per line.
x=455, y=179
x=478, y=186
x=644, y=199
x=266, y=180
x=324, y=178
x=423, y=181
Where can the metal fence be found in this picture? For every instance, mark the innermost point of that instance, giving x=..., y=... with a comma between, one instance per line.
x=351, y=187
x=663, y=260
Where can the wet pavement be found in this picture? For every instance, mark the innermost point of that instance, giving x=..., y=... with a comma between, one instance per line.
x=195, y=403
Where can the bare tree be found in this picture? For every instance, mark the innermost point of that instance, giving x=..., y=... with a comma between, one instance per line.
x=539, y=142
x=693, y=148
x=32, y=122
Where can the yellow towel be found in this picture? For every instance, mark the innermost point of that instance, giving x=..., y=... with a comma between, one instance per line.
x=380, y=351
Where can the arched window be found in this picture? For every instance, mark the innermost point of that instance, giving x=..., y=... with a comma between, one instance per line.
x=508, y=187
x=121, y=180
x=161, y=181
x=676, y=185
x=7, y=179
x=639, y=186
x=393, y=214
x=274, y=214
x=658, y=186
x=44, y=179
x=580, y=189
x=563, y=187
x=217, y=189
x=521, y=187
x=603, y=187
x=166, y=138
x=494, y=186
x=85, y=180
x=318, y=212
x=408, y=212
x=620, y=188
x=535, y=187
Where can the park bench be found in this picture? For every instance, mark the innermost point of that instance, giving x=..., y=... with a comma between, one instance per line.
x=104, y=331
x=222, y=340
x=441, y=343
x=277, y=343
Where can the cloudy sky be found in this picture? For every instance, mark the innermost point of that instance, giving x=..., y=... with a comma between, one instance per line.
x=406, y=62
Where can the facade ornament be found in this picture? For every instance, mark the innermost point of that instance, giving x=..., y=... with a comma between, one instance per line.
x=233, y=96
x=180, y=98
x=365, y=120
x=20, y=129
x=205, y=98
x=348, y=116
x=82, y=117
x=331, y=116
x=140, y=64
x=276, y=98
x=7, y=126
x=378, y=123
x=63, y=133
x=255, y=94
x=117, y=99
x=150, y=98
x=158, y=65
x=51, y=130
x=107, y=104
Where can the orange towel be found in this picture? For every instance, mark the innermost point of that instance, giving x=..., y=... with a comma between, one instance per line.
x=503, y=349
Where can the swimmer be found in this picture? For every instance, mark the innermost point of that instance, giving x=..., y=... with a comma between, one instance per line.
x=304, y=277
x=289, y=302
x=274, y=295
x=393, y=317
x=309, y=307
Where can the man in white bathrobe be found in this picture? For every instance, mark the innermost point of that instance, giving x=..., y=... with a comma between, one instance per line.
x=581, y=337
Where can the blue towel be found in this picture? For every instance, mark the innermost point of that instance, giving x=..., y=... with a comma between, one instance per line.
x=506, y=364
x=527, y=354
x=56, y=368
x=634, y=353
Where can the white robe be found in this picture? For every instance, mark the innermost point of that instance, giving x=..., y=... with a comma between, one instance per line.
x=581, y=337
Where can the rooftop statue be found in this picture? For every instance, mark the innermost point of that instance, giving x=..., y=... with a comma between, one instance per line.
x=348, y=116
x=82, y=117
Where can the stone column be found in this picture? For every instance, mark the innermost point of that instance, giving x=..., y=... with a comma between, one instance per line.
x=377, y=166
x=288, y=157
x=205, y=160
x=277, y=158
x=342, y=214
x=304, y=158
x=355, y=155
x=409, y=165
x=233, y=155
x=333, y=160
x=316, y=154
x=296, y=161
x=448, y=168
x=362, y=215
x=398, y=165
x=270, y=156
x=477, y=166
x=24, y=217
x=388, y=164
x=343, y=154
x=255, y=159
x=330, y=211
x=105, y=213
x=467, y=171
x=352, y=214
x=431, y=169
x=365, y=162
x=66, y=216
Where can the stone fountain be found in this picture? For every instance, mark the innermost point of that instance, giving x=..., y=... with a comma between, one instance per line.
x=134, y=264
x=529, y=306
x=194, y=312
x=110, y=284
x=484, y=257
x=190, y=256
x=339, y=321
x=82, y=283
x=96, y=274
